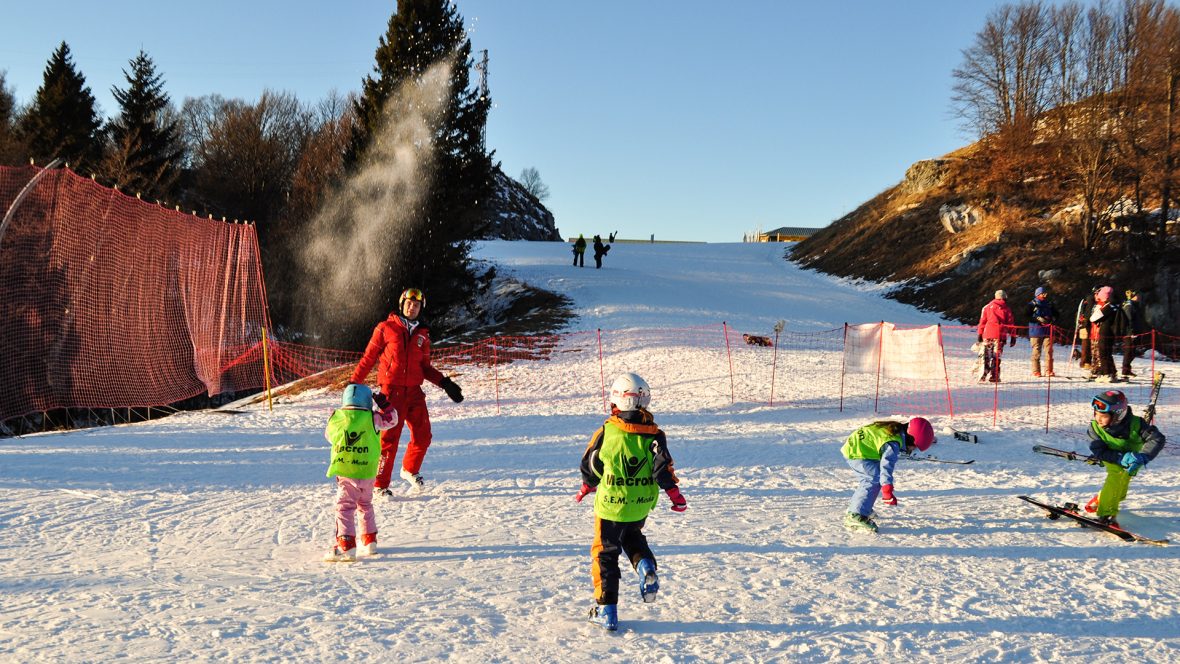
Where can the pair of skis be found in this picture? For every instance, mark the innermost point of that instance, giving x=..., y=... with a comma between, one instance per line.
x=1070, y=510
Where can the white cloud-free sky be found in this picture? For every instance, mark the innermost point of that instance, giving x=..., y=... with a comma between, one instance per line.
x=685, y=119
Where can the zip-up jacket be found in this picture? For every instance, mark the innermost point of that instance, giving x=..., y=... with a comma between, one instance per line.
x=402, y=356
x=996, y=321
x=1132, y=434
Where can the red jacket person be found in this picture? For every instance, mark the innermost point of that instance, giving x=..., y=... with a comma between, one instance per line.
x=400, y=348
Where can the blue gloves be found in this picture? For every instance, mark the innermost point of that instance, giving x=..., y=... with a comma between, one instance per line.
x=1133, y=461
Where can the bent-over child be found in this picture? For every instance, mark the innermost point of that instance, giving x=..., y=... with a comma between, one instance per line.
x=872, y=451
x=626, y=464
x=1124, y=443
x=356, y=451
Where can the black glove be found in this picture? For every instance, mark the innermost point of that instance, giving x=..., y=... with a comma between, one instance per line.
x=381, y=400
x=453, y=391
x=979, y=338
x=1013, y=342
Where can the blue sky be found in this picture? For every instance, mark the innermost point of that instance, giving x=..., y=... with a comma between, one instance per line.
x=685, y=119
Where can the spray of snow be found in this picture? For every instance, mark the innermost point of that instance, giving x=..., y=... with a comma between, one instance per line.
x=354, y=239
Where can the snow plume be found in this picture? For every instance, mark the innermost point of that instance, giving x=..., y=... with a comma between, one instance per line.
x=356, y=235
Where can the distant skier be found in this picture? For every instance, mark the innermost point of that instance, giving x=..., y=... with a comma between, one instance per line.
x=1124, y=443
x=600, y=250
x=400, y=347
x=356, y=451
x=1042, y=316
x=872, y=451
x=580, y=251
x=626, y=463
x=1136, y=324
x=995, y=325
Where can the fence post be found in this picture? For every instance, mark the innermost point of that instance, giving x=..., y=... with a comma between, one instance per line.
x=778, y=328
x=950, y=400
x=496, y=372
x=880, y=359
x=843, y=362
x=1153, y=352
x=601, y=374
x=266, y=369
x=725, y=331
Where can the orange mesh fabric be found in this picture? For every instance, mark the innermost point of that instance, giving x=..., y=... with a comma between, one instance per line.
x=106, y=300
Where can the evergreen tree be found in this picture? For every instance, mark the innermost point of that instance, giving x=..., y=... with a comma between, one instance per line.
x=63, y=121
x=146, y=148
x=12, y=149
x=434, y=253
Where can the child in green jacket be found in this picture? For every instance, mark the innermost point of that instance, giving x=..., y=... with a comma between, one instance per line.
x=356, y=450
x=1124, y=443
x=626, y=464
x=872, y=451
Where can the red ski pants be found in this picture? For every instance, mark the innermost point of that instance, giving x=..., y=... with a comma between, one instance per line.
x=410, y=403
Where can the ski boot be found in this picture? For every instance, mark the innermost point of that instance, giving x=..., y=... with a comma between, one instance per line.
x=605, y=616
x=368, y=544
x=343, y=552
x=854, y=521
x=649, y=583
x=383, y=491
x=415, y=480
x=1109, y=520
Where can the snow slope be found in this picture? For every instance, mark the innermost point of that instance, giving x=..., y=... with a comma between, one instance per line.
x=197, y=537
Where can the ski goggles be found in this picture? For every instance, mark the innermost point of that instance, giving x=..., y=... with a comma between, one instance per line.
x=1101, y=405
x=413, y=294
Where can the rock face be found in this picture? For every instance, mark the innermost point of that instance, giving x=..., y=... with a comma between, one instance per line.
x=958, y=218
x=926, y=174
x=515, y=214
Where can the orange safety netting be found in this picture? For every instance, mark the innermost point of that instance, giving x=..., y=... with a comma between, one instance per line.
x=107, y=301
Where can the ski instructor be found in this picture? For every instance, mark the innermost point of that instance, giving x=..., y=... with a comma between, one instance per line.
x=400, y=347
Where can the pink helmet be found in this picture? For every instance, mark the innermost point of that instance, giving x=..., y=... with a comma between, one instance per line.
x=922, y=433
x=1104, y=293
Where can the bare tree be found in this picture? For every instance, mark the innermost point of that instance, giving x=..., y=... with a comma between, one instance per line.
x=531, y=179
x=1000, y=85
x=1093, y=130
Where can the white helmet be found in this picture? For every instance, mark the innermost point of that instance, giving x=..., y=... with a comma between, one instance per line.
x=630, y=392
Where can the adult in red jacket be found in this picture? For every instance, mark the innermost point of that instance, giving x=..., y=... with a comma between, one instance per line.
x=400, y=347
x=996, y=324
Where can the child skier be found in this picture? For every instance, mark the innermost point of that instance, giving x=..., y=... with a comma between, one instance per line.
x=627, y=459
x=1124, y=443
x=356, y=450
x=872, y=451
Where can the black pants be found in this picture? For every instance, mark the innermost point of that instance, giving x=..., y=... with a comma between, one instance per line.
x=1103, y=361
x=610, y=539
x=580, y=257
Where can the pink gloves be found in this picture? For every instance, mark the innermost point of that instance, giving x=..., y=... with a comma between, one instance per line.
x=586, y=489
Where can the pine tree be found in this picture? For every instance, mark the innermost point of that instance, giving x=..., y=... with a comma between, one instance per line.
x=146, y=148
x=434, y=254
x=63, y=121
x=12, y=149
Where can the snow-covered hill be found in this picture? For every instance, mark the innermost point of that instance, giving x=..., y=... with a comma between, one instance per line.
x=198, y=537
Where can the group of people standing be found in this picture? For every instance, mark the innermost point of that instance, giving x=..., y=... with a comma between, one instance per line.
x=1099, y=323
x=600, y=250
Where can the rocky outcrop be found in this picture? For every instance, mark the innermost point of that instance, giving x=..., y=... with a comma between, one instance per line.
x=515, y=214
x=926, y=174
x=958, y=218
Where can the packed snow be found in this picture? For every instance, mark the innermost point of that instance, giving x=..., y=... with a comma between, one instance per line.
x=200, y=536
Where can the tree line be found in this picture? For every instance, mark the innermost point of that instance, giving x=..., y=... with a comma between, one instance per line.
x=1078, y=101
x=277, y=160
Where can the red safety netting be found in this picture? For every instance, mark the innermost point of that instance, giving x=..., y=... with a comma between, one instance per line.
x=109, y=301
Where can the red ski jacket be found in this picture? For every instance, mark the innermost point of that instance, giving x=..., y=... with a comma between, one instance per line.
x=404, y=356
x=996, y=321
